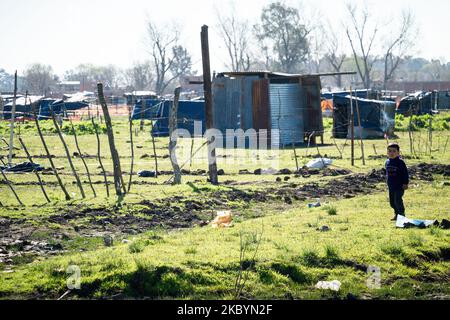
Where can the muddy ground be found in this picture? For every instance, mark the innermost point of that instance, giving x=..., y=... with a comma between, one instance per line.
x=20, y=240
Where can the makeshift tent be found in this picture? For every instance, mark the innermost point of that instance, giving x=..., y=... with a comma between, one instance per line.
x=418, y=103
x=188, y=112
x=377, y=117
x=23, y=107
x=150, y=111
x=44, y=109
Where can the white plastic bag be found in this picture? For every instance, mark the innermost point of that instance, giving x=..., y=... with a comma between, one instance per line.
x=332, y=285
x=319, y=163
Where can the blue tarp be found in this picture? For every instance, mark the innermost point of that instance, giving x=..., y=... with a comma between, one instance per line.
x=188, y=111
x=418, y=103
x=376, y=116
x=150, y=110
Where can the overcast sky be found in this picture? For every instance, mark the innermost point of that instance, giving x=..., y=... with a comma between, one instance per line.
x=66, y=33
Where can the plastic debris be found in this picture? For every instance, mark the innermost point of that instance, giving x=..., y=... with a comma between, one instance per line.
x=146, y=174
x=331, y=285
x=403, y=222
x=319, y=163
x=323, y=228
x=23, y=167
x=314, y=205
x=223, y=219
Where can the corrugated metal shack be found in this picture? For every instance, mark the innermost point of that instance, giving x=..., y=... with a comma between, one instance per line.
x=265, y=100
x=377, y=117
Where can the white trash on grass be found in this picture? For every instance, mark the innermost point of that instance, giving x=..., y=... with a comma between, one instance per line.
x=319, y=163
x=332, y=285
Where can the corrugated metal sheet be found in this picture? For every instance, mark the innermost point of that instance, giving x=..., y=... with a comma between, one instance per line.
x=312, y=111
x=286, y=112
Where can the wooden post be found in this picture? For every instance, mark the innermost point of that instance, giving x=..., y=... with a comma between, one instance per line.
x=35, y=172
x=130, y=119
x=58, y=131
x=1, y=108
x=173, y=139
x=374, y=149
x=11, y=187
x=154, y=150
x=430, y=133
x=295, y=152
x=360, y=132
x=212, y=164
x=141, y=127
x=13, y=119
x=118, y=179
x=49, y=156
x=100, y=157
x=82, y=159
x=352, y=129
x=192, y=148
x=339, y=150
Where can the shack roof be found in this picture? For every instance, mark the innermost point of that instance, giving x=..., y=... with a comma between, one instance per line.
x=270, y=74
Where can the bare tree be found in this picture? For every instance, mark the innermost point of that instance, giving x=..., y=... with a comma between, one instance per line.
x=236, y=36
x=170, y=60
x=361, y=32
x=398, y=45
x=139, y=76
x=334, y=54
x=39, y=78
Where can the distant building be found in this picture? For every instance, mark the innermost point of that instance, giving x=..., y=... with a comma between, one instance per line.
x=71, y=86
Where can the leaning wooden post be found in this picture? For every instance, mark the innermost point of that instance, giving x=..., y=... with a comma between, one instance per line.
x=360, y=132
x=49, y=156
x=13, y=119
x=118, y=179
x=82, y=159
x=154, y=150
x=35, y=172
x=173, y=136
x=100, y=157
x=130, y=119
x=11, y=187
x=66, y=149
x=352, y=129
x=212, y=164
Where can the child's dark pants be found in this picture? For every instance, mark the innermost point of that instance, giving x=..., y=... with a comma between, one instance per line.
x=396, y=201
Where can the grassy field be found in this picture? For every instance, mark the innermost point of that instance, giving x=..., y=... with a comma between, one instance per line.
x=284, y=252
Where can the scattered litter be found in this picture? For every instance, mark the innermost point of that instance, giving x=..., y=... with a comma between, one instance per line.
x=314, y=205
x=268, y=171
x=146, y=174
x=403, y=222
x=445, y=224
x=323, y=228
x=332, y=285
x=23, y=167
x=223, y=219
x=319, y=163
x=126, y=241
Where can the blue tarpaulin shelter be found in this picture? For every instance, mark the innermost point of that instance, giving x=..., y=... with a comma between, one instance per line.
x=150, y=111
x=188, y=112
x=377, y=117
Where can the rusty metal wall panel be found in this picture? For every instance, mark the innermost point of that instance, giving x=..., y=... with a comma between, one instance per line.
x=261, y=104
x=286, y=112
x=312, y=110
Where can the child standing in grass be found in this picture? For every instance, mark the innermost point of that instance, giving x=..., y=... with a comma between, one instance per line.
x=397, y=179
